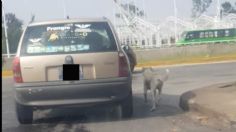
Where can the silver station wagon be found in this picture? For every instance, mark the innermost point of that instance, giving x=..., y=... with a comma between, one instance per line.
x=71, y=62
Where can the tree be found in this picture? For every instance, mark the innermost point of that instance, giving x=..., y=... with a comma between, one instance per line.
x=133, y=9
x=14, y=31
x=199, y=7
x=227, y=7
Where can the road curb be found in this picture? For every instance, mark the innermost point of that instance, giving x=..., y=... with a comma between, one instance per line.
x=8, y=73
x=186, y=99
x=188, y=103
x=137, y=68
x=186, y=64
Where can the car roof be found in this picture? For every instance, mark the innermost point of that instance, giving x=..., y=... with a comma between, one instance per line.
x=59, y=21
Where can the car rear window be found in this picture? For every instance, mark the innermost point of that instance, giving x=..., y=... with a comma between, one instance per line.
x=68, y=38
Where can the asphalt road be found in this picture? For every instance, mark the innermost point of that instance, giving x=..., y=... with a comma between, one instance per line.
x=167, y=118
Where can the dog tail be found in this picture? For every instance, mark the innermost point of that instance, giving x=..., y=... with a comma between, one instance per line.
x=143, y=69
x=165, y=78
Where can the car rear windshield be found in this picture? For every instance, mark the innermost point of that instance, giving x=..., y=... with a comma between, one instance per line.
x=68, y=38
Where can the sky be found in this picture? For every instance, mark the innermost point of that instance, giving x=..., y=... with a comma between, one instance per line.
x=157, y=10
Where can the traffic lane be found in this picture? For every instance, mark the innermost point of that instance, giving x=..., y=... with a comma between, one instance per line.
x=181, y=79
x=75, y=119
x=185, y=78
x=193, y=77
x=165, y=118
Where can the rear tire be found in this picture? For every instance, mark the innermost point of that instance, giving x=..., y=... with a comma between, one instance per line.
x=127, y=107
x=24, y=114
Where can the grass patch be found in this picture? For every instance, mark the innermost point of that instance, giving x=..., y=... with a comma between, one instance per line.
x=188, y=60
x=6, y=73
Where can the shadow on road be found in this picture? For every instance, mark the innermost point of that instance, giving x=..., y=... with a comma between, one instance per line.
x=73, y=119
x=142, y=109
x=47, y=128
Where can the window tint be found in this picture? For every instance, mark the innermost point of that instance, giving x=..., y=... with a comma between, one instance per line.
x=201, y=34
x=192, y=35
x=216, y=33
x=189, y=36
x=206, y=34
x=226, y=33
x=221, y=33
x=68, y=38
x=211, y=34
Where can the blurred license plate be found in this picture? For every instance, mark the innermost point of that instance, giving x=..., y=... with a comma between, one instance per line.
x=71, y=72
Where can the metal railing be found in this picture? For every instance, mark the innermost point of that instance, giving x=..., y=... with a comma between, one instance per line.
x=8, y=55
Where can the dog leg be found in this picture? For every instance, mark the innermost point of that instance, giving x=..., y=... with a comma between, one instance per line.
x=158, y=100
x=158, y=97
x=145, y=94
x=145, y=88
x=153, y=100
x=159, y=88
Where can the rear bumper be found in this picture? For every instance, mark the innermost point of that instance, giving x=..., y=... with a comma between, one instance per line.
x=79, y=93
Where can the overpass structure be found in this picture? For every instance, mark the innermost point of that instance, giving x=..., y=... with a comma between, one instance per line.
x=134, y=29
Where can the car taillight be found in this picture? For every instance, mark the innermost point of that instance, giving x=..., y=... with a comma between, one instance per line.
x=16, y=70
x=123, y=65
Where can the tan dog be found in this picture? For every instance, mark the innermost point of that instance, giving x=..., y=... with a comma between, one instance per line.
x=153, y=82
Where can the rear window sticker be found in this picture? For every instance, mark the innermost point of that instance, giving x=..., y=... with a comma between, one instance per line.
x=77, y=34
x=72, y=41
x=83, y=30
x=62, y=34
x=30, y=49
x=35, y=40
x=73, y=48
x=67, y=48
x=82, y=26
x=37, y=49
x=83, y=47
x=85, y=34
x=47, y=49
x=79, y=47
x=53, y=37
x=42, y=49
x=86, y=47
x=60, y=48
x=58, y=28
x=54, y=49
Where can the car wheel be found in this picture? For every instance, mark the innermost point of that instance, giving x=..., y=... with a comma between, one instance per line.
x=24, y=114
x=127, y=107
